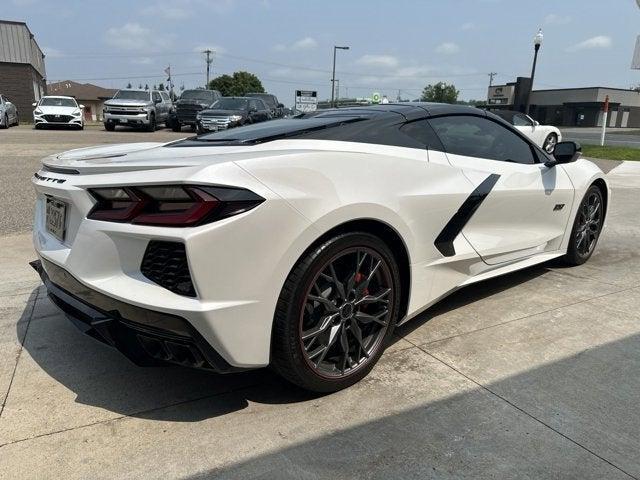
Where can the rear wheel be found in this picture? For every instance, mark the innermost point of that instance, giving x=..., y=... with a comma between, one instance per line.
x=550, y=142
x=586, y=227
x=336, y=313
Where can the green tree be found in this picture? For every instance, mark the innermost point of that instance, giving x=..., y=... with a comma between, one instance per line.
x=236, y=85
x=146, y=86
x=140, y=86
x=129, y=85
x=161, y=86
x=440, y=92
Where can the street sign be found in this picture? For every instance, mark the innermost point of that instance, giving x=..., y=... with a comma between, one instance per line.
x=306, y=101
x=375, y=98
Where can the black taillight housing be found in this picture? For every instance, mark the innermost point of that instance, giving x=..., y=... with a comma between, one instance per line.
x=170, y=205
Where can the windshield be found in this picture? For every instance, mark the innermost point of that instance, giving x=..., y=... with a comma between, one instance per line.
x=204, y=95
x=230, y=104
x=266, y=98
x=132, y=95
x=58, y=102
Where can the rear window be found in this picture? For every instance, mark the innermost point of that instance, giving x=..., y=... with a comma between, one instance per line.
x=268, y=99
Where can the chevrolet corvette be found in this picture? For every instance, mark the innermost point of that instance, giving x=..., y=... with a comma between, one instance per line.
x=301, y=243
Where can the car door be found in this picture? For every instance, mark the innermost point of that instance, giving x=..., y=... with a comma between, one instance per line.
x=521, y=206
x=159, y=106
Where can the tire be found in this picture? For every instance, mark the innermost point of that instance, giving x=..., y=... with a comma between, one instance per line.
x=151, y=127
x=176, y=127
x=550, y=142
x=336, y=320
x=579, y=250
x=17, y=120
x=109, y=127
x=37, y=126
x=5, y=121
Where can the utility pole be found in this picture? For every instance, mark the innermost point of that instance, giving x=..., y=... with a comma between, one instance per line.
x=338, y=91
x=491, y=75
x=537, y=42
x=399, y=99
x=333, y=75
x=209, y=61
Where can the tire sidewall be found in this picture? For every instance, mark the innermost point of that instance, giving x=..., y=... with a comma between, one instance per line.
x=290, y=306
x=573, y=257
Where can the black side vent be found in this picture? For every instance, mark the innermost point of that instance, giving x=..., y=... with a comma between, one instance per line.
x=165, y=263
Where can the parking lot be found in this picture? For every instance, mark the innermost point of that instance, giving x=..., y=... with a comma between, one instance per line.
x=532, y=375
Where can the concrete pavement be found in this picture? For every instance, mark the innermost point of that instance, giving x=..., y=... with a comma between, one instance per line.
x=532, y=375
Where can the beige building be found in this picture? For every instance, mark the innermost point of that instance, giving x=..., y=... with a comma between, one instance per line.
x=91, y=96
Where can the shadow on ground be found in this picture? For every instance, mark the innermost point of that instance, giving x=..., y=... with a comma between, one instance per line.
x=101, y=377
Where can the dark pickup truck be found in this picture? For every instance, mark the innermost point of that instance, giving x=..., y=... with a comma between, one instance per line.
x=187, y=107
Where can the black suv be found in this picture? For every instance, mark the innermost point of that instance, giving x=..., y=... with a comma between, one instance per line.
x=188, y=106
x=231, y=112
x=277, y=109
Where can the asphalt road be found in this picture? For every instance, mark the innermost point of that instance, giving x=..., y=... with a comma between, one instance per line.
x=535, y=374
x=22, y=148
x=615, y=137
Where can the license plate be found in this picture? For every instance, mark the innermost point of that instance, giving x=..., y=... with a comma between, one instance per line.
x=55, y=217
x=124, y=120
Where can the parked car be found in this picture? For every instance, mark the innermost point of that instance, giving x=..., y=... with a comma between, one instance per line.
x=189, y=104
x=8, y=113
x=302, y=242
x=58, y=111
x=229, y=112
x=545, y=136
x=137, y=108
x=277, y=108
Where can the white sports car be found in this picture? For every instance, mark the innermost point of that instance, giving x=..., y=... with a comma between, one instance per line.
x=58, y=111
x=545, y=136
x=301, y=243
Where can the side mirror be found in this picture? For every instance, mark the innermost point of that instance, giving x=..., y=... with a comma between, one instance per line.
x=157, y=100
x=81, y=107
x=281, y=105
x=536, y=123
x=253, y=110
x=565, y=152
x=34, y=104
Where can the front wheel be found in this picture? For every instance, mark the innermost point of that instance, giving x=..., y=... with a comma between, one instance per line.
x=586, y=227
x=151, y=127
x=176, y=126
x=336, y=313
x=550, y=142
x=5, y=122
x=109, y=126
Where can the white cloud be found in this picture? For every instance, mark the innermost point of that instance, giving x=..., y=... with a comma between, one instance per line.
x=137, y=38
x=468, y=26
x=597, y=42
x=378, y=61
x=51, y=52
x=306, y=43
x=555, y=19
x=447, y=48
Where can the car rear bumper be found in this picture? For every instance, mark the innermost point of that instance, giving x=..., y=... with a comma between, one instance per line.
x=146, y=337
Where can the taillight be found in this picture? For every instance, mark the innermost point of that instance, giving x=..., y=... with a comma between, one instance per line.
x=170, y=205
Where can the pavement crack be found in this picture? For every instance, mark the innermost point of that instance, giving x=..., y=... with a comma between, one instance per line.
x=31, y=306
x=521, y=410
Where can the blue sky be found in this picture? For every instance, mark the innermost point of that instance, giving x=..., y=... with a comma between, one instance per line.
x=394, y=45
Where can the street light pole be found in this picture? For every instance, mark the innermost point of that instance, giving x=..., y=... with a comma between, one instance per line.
x=537, y=43
x=333, y=75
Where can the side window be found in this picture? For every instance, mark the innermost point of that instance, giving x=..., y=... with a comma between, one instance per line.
x=253, y=104
x=165, y=96
x=156, y=97
x=421, y=131
x=519, y=120
x=480, y=137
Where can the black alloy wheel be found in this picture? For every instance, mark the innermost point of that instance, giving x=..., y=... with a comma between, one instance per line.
x=586, y=228
x=336, y=313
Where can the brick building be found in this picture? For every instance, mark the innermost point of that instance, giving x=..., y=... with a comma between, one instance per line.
x=22, y=71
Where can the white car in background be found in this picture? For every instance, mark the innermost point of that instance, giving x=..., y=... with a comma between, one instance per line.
x=8, y=113
x=545, y=136
x=55, y=110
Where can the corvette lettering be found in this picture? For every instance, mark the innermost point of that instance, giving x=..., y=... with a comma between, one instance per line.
x=49, y=179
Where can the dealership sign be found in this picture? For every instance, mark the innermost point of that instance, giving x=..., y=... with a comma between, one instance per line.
x=306, y=100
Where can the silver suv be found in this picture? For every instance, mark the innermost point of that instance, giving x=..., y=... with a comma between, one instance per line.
x=8, y=113
x=137, y=108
